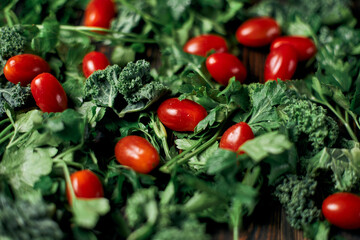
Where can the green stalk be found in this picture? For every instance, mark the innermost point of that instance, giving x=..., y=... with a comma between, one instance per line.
x=189, y=153
x=201, y=74
x=19, y=139
x=67, y=178
x=6, y=137
x=70, y=150
x=346, y=124
x=5, y=131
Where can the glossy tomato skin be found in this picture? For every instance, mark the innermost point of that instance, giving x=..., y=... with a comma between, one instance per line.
x=181, y=116
x=86, y=185
x=258, y=32
x=24, y=67
x=281, y=63
x=99, y=13
x=342, y=210
x=223, y=66
x=137, y=153
x=203, y=44
x=305, y=47
x=94, y=61
x=48, y=93
x=235, y=136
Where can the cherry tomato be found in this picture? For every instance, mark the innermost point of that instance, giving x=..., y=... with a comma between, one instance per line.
x=342, y=210
x=94, y=61
x=86, y=185
x=257, y=32
x=281, y=63
x=223, y=66
x=23, y=68
x=137, y=153
x=182, y=116
x=201, y=45
x=48, y=93
x=99, y=13
x=235, y=136
x=305, y=47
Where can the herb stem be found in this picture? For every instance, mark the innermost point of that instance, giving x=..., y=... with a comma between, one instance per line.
x=5, y=131
x=6, y=137
x=189, y=153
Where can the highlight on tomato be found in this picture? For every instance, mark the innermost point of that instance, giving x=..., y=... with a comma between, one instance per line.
x=281, y=63
x=235, y=136
x=99, y=13
x=203, y=44
x=48, y=93
x=305, y=47
x=24, y=67
x=86, y=185
x=342, y=209
x=181, y=116
x=223, y=66
x=137, y=153
x=94, y=61
x=258, y=32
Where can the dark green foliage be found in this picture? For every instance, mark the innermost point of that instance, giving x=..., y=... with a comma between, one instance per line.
x=23, y=220
x=132, y=78
x=309, y=125
x=12, y=41
x=13, y=95
x=296, y=194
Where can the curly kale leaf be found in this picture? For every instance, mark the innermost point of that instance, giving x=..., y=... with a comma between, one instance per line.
x=133, y=85
x=12, y=41
x=297, y=195
x=13, y=95
x=101, y=86
x=309, y=125
x=132, y=78
x=23, y=220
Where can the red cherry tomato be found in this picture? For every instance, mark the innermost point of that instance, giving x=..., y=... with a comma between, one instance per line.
x=86, y=185
x=94, y=61
x=305, y=47
x=223, y=66
x=48, y=93
x=99, y=13
x=201, y=45
x=342, y=210
x=257, y=32
x=137, y=153
x=281, y=63
x=235, y=136
x=182, y=116
x=23, y=68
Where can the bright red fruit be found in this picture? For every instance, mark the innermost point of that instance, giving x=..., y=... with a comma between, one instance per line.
x=137, y=153
x=203, y=44
x=235, y=136
x=94, y=61
x=223, y=66
x=182, y=116
x=23, y=68
x=342, y=210
x=257, y=32
x=86, y=185
x=305, y=47
x=48, y=93
x=99, y=13
x=281, y=63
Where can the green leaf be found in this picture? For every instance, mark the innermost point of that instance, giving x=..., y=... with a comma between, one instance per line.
x=271, y=143
x=87, y=212
x=220, y=160
x=67, y=125
x=24, y=166
x=343, y=164
x=47, y=38
x=25, y=122
x=265, y=98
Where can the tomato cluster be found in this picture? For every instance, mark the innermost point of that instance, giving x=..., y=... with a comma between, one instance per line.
x=281, y=63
